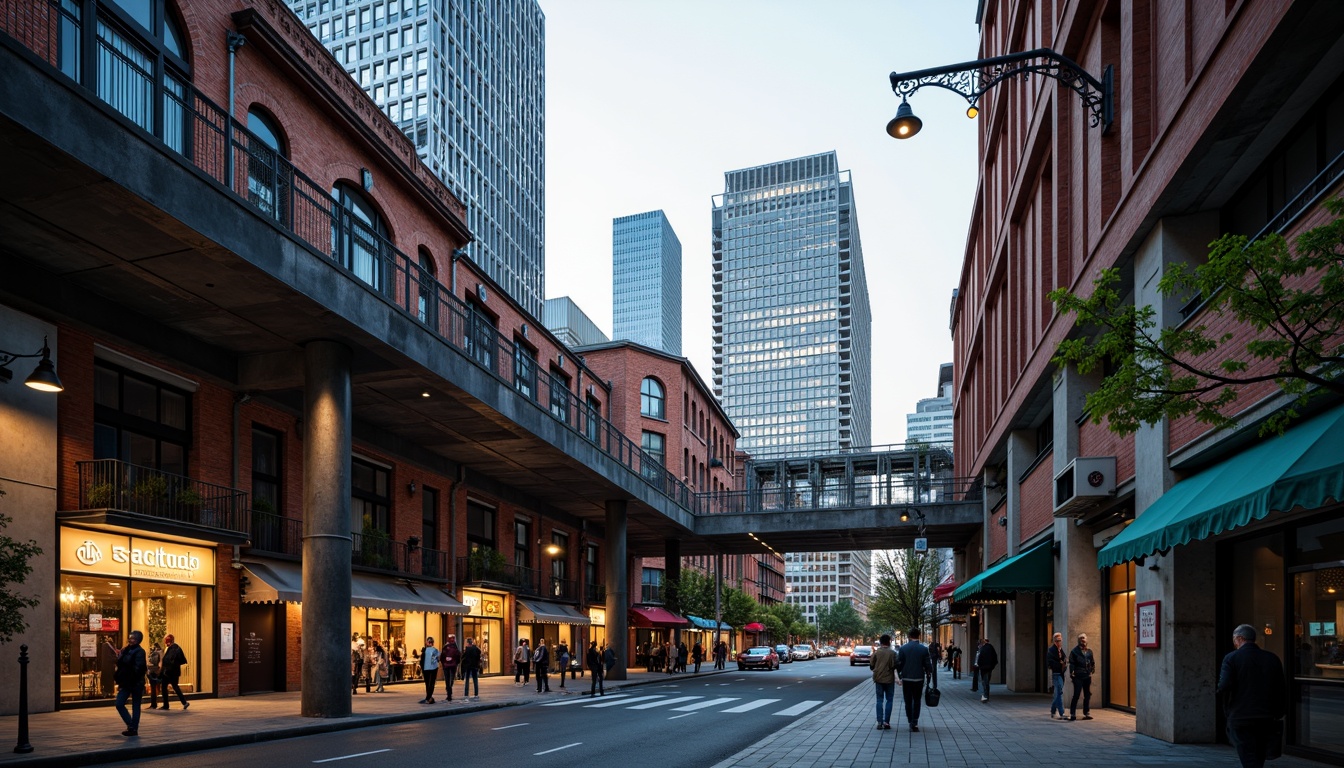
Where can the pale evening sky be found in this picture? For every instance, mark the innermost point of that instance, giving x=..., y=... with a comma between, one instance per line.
x=649, y=103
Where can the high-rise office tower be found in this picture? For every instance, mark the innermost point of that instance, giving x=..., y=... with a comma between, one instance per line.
x=646, y=281
x=571, y=324
x=466, y=81
x=791, y=320
x=932, y=420
x=791, y=335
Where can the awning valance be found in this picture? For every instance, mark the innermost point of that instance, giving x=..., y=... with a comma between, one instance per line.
x=652, y=616
x=754, y=626
x=1302, y=468
x=707, y=623
x=1030, y=571
x=542, y=612
x=945, y=589
x=277, y=582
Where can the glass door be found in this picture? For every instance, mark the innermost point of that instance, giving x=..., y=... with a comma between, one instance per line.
x=1121, y=637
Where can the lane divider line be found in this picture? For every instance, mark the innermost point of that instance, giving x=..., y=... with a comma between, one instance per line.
x=557, y=749
x=347, y=757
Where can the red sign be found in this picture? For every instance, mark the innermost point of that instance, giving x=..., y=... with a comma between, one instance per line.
x=1148, y=623
x=111, y=625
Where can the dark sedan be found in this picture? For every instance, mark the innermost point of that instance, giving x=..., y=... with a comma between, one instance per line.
x=760, y=657
x=785, y=654
x=863, y=654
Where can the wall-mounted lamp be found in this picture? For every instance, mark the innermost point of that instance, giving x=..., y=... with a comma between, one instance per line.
x=43, y=378
x=1003, y=521
x=552, y=549
x=412, y=543
x=410, y=487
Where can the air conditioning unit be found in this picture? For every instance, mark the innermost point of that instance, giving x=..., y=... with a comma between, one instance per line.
x=1083, y=484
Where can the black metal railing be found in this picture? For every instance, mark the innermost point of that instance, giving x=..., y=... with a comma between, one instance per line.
x=595, y=593
x=117, y=485
x=276, y=534
x=435, y=564
x=474, y=570
x=556, y=588
x=862, y=492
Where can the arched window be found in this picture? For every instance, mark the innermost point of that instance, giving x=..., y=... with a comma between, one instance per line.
x=359, y=235
x=140, y=64
x=651, y=400
x=425, y=305
x=267, y=177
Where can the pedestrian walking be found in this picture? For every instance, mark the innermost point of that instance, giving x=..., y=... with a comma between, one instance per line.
x=356, y=667
x=173, y=662
x=368, y=667
x=986, y=659
x=130, y=679
x=608, y=660
x=429, y=664
x=683, y=656
x=449, y=658
x=380, y=667
x=975, y=673
x=647, y=653
x=154, y=670
x=541, y=660
x=471, y=670
x=721, y=654
x=936, y=651
x=915, y=665
x=697, y=655
x=1251, y=683
x=522, y=661
x=1057, y=661
x=595, y=667
x=562, y=660
x=659, y=657
x=954, y=660
x=1081, y=668
x=883, y=665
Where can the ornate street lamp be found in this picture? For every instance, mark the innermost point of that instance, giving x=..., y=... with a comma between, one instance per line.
x=972, y=79
x=43, y=377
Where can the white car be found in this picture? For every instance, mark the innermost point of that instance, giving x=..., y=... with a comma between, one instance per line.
x=803, y=653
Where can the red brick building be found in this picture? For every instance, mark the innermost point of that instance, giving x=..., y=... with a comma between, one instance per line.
x=1229, y=116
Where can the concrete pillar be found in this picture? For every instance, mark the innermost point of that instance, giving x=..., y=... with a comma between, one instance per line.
x=1018, y=654
x=618, y=596
x=1175, y=681
x=671, y=577
x=1077, y=580
x=326, y=531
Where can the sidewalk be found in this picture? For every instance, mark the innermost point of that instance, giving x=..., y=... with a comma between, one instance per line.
x=92, y=736
x=1012, y=730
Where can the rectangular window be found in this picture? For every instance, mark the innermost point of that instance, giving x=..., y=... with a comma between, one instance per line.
x=524, y=369
x=480, y=525
x=593, y=420
x=653, y=445
x=651, y=587
x=370, y=519
x=560, y=397
x=480, y=341
x=522, y=543
x=140, y=421
x=430, y=563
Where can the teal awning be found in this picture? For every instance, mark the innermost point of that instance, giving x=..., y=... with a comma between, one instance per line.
x=707, y=623
x=1030, y=571
x=1303, y=467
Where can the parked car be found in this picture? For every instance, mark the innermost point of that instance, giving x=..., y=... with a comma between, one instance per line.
x=844, y=650
x=826, y=650
x=758, y=657
x=862, y=654
x=803, y=653
x=785, y=653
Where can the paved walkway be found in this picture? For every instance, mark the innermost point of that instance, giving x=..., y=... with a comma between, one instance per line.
x=1011, y=730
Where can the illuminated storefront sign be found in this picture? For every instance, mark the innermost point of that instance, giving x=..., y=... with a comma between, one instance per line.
x=486, y=604
x=598, y=616
x=106, y=554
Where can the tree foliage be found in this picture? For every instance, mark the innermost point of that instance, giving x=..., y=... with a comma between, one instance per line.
x=840, y=620
x=14, y=570
x=695, y=593
x=783, y=621
x=905, y=582
x=1290, y=295
x=739, y=608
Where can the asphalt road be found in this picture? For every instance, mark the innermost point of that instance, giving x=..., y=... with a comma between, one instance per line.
x=681, y=722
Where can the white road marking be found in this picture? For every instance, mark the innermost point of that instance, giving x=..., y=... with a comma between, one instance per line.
x=677, y=700
x=798, y=709
x=583, y=701
x=750, y=706
x=347, y=757
x=703, y=704
x=557, y=749
x=507, y=727
x=621, y=702
x=678, y=717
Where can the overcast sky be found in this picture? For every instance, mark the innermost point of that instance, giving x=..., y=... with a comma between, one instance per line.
x=649, y=103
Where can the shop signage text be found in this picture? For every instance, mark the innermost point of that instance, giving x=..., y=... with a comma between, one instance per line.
x=111, y=555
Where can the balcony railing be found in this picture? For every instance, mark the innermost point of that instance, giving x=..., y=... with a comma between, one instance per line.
x=860, y=493
x=116, y=485
x=277, y=534
x=556, y=588
x=595, y=593
x=474, y=570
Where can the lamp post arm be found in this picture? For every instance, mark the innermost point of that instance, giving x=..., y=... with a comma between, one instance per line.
x=972, y=79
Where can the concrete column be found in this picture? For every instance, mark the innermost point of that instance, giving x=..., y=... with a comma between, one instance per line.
x=618, y=585
x=1018, y=654
x=671, y=575
x=1077, y=580
x=1175, y=681
x=326, y=531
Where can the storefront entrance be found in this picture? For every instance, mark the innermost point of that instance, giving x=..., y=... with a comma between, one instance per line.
x=1121, y=678
x=485, y=624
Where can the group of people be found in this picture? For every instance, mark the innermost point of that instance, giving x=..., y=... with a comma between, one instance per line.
x=536, y=662
x=454, y=662
x=162, y=667
x=1080, y=666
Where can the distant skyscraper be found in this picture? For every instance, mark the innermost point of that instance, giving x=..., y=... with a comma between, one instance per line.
x=791, y=319
x=932, y=420
x=791, y=336
x=646, y=281
x=571, y=324
x=466, y=81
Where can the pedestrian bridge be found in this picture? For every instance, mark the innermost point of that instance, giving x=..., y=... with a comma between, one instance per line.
x=874, y=498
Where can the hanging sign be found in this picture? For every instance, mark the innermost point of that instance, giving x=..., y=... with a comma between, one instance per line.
x=1148, y=618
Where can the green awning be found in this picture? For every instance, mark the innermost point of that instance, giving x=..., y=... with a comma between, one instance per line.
x=1030, y=571
x=1302, y=468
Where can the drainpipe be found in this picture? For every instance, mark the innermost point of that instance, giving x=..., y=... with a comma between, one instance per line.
x=452, y=523
x=452, y=270
x=235, y=41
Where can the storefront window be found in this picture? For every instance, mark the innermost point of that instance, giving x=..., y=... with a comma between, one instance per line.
x=402, y=635
x=1318, y=616
x=1120, y=636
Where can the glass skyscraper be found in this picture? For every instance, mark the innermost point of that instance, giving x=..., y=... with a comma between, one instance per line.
x=466, y=81
x=791, y=319
x=646, y=281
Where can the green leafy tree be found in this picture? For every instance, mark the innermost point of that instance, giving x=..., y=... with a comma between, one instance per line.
x=905, y=582
x=783, y=621
x=1291, y=295
x=14, y=570
x=839, y=620
x=695, y=593
x=739, y=608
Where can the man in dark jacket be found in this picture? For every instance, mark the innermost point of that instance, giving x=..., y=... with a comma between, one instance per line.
x=595, y=666
x=449, y=658
x=130, y=679
x=1252, y=686
x=173, y=662
x=541, y=661
x=1081, y=668
x=986, y=659
x=1057, y=661
x=914, y=663
x=471, y=669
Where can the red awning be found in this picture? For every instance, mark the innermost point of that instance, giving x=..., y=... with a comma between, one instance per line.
x=652, y=616
x=944, y=591
x=755, y=626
